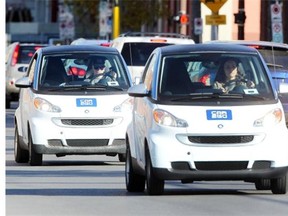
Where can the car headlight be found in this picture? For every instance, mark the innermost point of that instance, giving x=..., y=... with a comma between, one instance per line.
x=165, y=118
x=271, y=118
x=124, y=106
x=45, y=106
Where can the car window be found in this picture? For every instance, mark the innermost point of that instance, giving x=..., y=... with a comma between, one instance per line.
x=199, y=73
x=136, y=54
x=148, y=74
x=275, y=57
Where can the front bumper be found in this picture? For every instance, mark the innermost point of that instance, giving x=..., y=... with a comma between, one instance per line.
x=182, y=173
x=178, y=156
x=52, y=137
x=117, y=147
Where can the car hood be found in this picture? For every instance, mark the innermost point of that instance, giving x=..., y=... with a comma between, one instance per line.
x=92, y=106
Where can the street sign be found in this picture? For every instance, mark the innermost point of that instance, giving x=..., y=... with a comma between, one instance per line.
x=214, y=5
x=276, y=12
x=276, y=22
x=198, y=26
x=66, y=23
x=215, y=19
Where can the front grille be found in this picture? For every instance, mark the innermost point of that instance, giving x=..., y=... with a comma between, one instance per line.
x=180, y=165
x=119, y=142
x=261, y=165
x=222, y=165
x=87, y=142
x=221, y=139
x=55, y=142
x=87, y=122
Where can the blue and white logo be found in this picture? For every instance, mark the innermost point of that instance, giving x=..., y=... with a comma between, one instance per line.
x=86, y=102
x=219, y=114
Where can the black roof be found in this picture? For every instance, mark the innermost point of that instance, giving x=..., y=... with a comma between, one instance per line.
x=251, y=43
x=77, y=48
x=186, y=48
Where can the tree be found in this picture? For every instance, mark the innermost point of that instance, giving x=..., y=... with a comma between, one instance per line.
x=134, y=14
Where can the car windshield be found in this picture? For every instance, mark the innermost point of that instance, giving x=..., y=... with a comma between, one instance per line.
x=214, y=76
x=83, y=71
x=136, y=54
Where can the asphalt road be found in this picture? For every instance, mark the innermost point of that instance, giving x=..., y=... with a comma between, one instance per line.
x=95, y=185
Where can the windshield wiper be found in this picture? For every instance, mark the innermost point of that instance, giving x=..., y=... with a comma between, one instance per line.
x=197, y=96
x=96, y=86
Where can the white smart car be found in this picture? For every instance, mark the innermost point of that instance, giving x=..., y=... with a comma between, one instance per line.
x=190, y=130
x=60, y=112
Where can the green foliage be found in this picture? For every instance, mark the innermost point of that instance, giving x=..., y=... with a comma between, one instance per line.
x=136, y=13
x=133, y=14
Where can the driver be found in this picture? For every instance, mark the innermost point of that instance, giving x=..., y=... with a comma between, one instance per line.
x=228, y=77
x=99, y=73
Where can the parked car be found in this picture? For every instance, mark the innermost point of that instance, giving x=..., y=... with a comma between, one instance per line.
x=136, y=47
x=182, y=129
x=84, y=41
x=276, y=58
x=62, y=112
x=18, y=56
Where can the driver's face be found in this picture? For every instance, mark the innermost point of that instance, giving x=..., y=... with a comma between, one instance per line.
x=98, y=69
x=230, y=68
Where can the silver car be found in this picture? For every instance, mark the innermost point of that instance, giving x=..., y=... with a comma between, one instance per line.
x=18, y=56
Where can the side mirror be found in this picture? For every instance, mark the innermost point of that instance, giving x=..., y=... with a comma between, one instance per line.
x=139, y=90
x=23, y=83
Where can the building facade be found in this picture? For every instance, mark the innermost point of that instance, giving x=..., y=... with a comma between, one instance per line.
x=38, y=20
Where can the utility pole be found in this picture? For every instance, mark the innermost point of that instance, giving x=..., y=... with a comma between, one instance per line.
x=196, y=14
x=116, y=19
x=242, y=16
x=183, y=9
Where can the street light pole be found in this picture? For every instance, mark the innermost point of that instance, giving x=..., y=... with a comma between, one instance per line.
x=183, y=8
x=116, y=19
x=241, y=8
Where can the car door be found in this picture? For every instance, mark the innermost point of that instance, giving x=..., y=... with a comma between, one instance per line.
x=26, y=100
x=143, y=114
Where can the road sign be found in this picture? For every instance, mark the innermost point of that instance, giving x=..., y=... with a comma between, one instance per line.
x=276, y=22
x=66, y=23
x=215, y=19
x=198, y=26
x=214, y=5
x=276, y=12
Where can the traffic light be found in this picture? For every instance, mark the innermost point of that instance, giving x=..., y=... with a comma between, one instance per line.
x=181, y=18
x=240, y=17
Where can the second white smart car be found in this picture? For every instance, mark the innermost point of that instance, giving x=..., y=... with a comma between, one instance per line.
x=190, y=130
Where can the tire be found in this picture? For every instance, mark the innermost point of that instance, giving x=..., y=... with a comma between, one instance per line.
x=155, y=186
x=35, y=159
x=134, y=181
x=7, y=103
x=20, y=155
x=263, y=184
x=279, y=185
x=122, y=157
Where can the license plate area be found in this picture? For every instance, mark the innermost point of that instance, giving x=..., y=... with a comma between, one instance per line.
x=219, y=114
x=86, y=102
